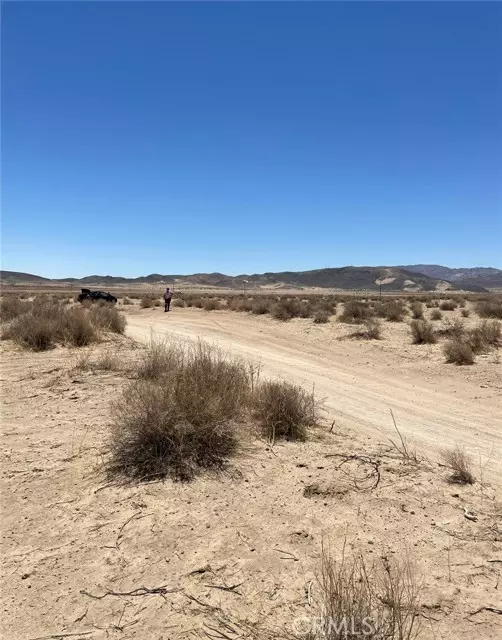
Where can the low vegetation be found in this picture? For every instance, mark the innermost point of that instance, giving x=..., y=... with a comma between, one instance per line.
x=40, y=326
x=458, y=351
x=491, y=308
x=189, y=407
x=422, y=332
x=460, y=464
x=377, y=598
x=284, y=410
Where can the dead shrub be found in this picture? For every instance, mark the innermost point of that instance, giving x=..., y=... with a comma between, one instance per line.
x=458, y=351
x=284, y=410
x=377, y=598
x=448, y=305
x=465, y=313
x=146, y=303
x=417, y=310
x=460, y=464
x=181, y=423
x=436, y=314
x=490, y=308
x=179, y=302
x=422, y=332
x=356, y=312
x=126, y=301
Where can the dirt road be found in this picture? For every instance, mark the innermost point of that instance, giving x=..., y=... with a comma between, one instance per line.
x=435, y=405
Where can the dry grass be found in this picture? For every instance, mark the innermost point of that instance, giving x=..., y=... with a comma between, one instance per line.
x=106, y=317
x=211, y=304
x=360, y=598
x=460, y=464
x=182, y=420
x=11, y=307
x=284, y=410
x=422, y=332
x=458, y=351
x=107, y=360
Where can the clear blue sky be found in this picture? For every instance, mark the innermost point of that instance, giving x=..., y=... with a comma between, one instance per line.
x=245, y=137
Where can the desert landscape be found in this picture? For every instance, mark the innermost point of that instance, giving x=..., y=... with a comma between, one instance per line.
x=334, y=458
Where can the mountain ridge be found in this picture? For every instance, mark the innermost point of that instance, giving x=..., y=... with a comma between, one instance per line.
x=400, y=278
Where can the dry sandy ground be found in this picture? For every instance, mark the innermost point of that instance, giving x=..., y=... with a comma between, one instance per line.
x=69, y=539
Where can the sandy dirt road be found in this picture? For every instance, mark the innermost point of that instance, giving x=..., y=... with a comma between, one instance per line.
x=435, y=405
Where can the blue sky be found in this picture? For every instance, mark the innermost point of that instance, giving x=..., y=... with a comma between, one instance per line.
x=247, y=137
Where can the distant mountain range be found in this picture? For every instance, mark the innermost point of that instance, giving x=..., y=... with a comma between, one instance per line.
x=401, y=278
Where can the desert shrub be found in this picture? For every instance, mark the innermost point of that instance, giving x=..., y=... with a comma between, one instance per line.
x=198, y=302
x=448, y=305
x=372, y=330
x=146, y=303
x=11, y=307
x=32, y=332
x=422, y=332
x=157, y=303
x=284, y=410
x=377, y=599
x=458, y=351
x=465, y=313
x=417, y=310
x=395, y=311
x=452, y=329
x=260, y=307
x=107, y=360
x=211, y=304
x=181, y=423
x=179, y=302
x=355, y=312
x=75, y=328
x=436, y=314
x=321, y=316
x=108, y=318
x=489, y=308
x=127, y=301
x=485, y=335
x=286, y=309
x=460, y=464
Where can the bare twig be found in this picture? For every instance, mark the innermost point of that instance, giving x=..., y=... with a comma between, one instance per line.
x=373, y=474
x=231, y=588
x=140, y=591
x=490, y=609
x=62, y=635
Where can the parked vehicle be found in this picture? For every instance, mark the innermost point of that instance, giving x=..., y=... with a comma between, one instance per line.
x=95, y=296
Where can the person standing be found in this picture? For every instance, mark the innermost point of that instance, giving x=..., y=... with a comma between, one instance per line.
x=168, y=294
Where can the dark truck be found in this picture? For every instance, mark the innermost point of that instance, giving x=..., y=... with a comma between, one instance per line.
x=95, y=296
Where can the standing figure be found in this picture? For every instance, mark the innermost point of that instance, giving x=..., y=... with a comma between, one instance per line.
x=168, y=294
